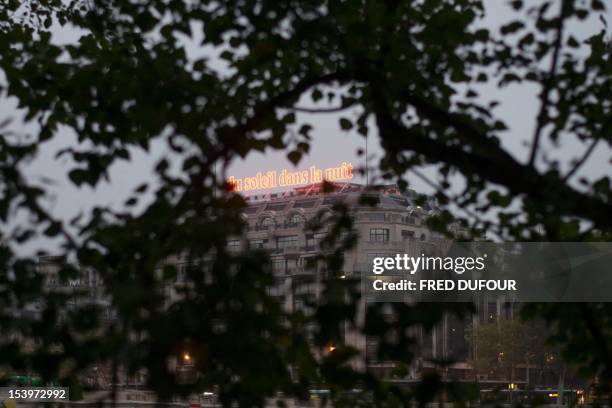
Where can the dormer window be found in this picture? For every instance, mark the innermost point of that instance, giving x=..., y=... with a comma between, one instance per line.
x=268, y=222
x=295, y=220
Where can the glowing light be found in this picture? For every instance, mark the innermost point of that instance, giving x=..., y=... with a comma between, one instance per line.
x=187, y=357
x=331, y=348
x=288, y=178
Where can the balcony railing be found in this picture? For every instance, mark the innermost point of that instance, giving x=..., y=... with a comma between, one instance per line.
x=291, y=225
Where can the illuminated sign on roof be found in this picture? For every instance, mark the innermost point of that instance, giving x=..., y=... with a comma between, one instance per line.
x=291, y=178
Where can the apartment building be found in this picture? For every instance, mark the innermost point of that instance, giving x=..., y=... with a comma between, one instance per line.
x=387, y=222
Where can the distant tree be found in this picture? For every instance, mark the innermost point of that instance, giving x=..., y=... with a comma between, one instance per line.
x=410, y=72
x=500, y=346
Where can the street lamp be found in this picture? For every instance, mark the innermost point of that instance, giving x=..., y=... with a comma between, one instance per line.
x=186, y=357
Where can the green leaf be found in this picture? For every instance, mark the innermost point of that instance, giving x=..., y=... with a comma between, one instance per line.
x=598, y=5
x=345, y=124
x=512, y=27
x=53, y=229
x=294, y=157
x=517, y=4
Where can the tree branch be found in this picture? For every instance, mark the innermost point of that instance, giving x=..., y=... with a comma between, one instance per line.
x=283, y=99
x=602, y=135
x=582, y=160
x=476, y=138
x=233, y=136
x=323, y=110
x=491, y=163
x=545, y=95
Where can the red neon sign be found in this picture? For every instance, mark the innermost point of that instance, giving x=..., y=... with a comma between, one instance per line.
x=289, y=178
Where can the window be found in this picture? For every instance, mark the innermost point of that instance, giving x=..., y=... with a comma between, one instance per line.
x=377, y=217
x=181, y=276
x=299, y=305
x=257, y=243
x=306, y=289
x=407, y=234
x=276, y=290
x=306, y=261
x=288, y=241
x=411, y=219
x=52, y=280
x=295, y=219
x=268, y=222
x=379, y=234
x=310, y=242
x=234, y=245
x=278, y=265
x=313, y=240
x=372, y=350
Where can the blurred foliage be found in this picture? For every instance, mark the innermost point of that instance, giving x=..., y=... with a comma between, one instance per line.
x=500, y=346
x=416, y=68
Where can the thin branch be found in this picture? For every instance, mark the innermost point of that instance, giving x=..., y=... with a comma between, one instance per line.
x=602, y=135
x=234, y=135
x=545, y=95
x=283, y=99
x=582, y=160
x=322, y=110
x=478, y=140
x=12, y=176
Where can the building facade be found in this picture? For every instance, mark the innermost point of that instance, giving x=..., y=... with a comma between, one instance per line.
x=387, y=222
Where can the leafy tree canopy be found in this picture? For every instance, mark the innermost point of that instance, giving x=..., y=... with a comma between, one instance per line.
x=409, y=72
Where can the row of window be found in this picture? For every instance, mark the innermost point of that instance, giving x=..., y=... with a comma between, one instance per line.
x=382, y=217
x=379, y=234
x=286, y=241
x=382, y=235
x=313, y=240
x=297, y=219
x=282, y=264
x=270, y=222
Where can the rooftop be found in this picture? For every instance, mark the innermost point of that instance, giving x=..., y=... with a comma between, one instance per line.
x=315, y=195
